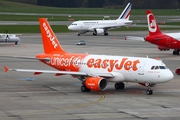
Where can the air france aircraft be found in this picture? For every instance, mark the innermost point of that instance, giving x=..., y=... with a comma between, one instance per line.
x=7, y=38
x=102, y=26
x=165, y=41
x=95, y=71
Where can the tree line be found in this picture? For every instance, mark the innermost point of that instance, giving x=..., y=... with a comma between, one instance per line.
x=137, y=4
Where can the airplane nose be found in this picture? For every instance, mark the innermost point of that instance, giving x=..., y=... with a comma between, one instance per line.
x=169, y=76
x=70, y=27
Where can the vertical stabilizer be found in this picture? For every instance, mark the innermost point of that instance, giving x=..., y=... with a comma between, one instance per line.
x=49, y=40
x=152, y=24
x=126, y=12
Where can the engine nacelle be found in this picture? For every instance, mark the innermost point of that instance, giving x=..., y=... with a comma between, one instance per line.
x=96, y=83
x=98, y=31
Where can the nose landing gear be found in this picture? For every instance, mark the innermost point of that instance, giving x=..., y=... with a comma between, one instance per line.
x=149, y=91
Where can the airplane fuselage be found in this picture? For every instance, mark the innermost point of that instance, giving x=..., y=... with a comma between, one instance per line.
x=170, y=40
x=9, y=38
x=101, y=24
x=123, y=68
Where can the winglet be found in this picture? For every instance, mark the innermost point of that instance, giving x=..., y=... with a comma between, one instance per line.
x=6, y=69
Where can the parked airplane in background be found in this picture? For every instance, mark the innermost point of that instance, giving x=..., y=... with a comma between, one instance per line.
x=9, y=38
x=95, y=71
x=165, y=41
x=102, y=26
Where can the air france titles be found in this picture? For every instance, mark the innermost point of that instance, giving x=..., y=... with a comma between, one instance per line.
x=110, y=64
x=49, y=35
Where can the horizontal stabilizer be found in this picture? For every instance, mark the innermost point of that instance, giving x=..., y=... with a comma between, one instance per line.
x=134, y=38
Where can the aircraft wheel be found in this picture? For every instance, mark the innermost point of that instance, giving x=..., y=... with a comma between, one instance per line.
x=174, y=52
x=119, y=85
x=85, y=89
x=16, y=43
x=94, y=34
x=105, y=34
x=149, y=92
x=78, y=34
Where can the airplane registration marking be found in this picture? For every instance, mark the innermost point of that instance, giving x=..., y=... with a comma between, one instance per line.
x=49, y=35
x=110, y=64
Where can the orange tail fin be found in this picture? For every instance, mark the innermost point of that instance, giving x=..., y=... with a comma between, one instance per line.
x=152, y=24
x=49, y=40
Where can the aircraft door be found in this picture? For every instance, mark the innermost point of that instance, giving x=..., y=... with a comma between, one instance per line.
x=141, y=68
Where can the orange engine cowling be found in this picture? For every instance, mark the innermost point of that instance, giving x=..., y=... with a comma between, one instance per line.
x=96, y=83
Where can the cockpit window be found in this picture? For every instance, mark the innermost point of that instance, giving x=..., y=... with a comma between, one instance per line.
x=152, y=67
x=162, y=67
x=73, y=24
x=158, y=67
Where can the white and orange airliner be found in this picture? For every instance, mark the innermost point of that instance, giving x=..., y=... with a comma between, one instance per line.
x=95, y=71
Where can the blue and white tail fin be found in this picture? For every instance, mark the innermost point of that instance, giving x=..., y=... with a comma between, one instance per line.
x=126, y=12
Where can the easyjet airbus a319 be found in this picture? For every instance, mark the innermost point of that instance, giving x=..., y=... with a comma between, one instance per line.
x=95, y=71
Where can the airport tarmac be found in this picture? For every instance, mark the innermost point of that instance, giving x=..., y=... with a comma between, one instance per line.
x=24, y=96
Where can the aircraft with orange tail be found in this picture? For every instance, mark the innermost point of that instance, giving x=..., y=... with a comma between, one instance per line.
x=95, y=71
x=164, y=41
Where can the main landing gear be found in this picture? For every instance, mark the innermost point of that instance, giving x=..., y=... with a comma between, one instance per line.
x=119, y=86
x=105, y=34
x=176, y=52
x=84, y=88
x=149, y=91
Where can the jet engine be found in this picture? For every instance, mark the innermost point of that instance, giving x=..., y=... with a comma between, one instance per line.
x=98, y=31
x=96, y=83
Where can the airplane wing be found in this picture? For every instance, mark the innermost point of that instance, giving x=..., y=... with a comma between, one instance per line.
x=134, y=38
x=57, y=73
